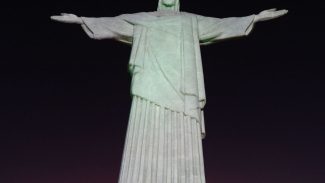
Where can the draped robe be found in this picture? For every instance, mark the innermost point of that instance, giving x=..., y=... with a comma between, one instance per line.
x=166, y=70
x=165, y=61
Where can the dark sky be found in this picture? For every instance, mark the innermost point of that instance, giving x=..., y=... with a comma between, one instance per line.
x=64, y=98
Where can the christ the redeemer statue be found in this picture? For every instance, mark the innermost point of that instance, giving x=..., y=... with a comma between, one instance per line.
x=166, y=125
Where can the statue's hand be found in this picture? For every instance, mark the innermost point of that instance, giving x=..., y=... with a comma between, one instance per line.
x=67, y=18
x=269, y=14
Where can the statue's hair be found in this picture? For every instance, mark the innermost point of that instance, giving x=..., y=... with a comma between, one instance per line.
x=174, y=8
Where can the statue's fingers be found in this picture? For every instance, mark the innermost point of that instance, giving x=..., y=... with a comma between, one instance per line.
x=61, y=19
x=281, y=13
x=56, y=18
x=272, y=9
x=68, y=14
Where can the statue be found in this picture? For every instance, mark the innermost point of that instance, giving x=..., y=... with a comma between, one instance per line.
x=166, y=123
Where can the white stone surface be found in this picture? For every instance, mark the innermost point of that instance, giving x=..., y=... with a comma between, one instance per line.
x=163, y=142
x=161, y=146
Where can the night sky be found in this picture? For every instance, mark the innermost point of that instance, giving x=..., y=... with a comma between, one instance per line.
x=65, y=99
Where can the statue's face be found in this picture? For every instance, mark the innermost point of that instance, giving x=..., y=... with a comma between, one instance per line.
x=169, y=3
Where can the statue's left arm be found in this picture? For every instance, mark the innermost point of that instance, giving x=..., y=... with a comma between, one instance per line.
x=215, y=29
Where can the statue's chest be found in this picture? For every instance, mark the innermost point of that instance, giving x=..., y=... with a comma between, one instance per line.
x=171, y=25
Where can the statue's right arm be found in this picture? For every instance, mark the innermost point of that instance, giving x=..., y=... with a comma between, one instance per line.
x=100, y=28
x=72, y=19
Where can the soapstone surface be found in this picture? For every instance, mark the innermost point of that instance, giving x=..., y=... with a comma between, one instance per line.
x=166, y=125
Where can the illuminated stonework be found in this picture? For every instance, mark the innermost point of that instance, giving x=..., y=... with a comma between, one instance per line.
x=166, y=125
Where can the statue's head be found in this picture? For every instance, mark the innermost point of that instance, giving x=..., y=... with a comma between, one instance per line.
x=172, y=5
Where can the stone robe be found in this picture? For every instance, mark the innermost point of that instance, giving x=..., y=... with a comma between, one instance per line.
x=166, y=126
x=165, y=61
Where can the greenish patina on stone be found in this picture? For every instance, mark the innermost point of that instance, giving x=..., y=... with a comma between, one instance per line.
x=166, y=70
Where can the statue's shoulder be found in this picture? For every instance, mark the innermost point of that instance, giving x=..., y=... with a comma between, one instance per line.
x=136, y=17
x=139, y=14
x=187, y=13
x=156, y=14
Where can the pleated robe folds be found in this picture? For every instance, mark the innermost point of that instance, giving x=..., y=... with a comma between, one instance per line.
x=166, y=125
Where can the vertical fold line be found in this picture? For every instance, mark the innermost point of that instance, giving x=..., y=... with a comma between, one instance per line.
x=143, y=145
x=187, y=175
x=139, y=142
x=151, y=138
x=160, y=161
x=126, y=150
x=175, y=143
x=165, y=150
x=183, y=151
x=130, y=163
x=198, y=139
x=180, y=148
x=178, y=151
x=155, y=153
x=168, y=154
x=190, y=149
x=201, y=159
x=196, y=164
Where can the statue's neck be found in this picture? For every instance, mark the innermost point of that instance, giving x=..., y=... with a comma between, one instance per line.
x=163, y=7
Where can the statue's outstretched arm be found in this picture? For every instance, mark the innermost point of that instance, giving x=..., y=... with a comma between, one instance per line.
x=100, y=28
x=67, y=18
x=215, y=29
x=269, y=14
